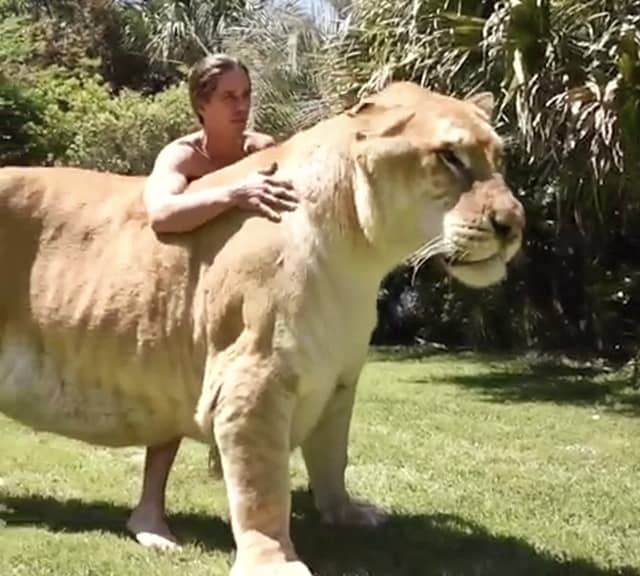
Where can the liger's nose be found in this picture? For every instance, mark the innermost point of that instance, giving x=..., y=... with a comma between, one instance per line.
x=502, y=228
x=508, y=219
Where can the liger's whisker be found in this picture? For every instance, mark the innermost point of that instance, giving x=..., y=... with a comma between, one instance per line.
x=435, y=246
x=427, y=247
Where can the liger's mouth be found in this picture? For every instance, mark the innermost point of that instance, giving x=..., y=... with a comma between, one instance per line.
x=458, y=262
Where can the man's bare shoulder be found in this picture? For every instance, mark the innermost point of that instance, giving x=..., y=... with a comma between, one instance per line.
x=185, y=155
x=193, y=139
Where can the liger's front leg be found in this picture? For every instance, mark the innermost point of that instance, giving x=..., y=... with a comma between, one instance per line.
x=325, y=455
x=252, y=426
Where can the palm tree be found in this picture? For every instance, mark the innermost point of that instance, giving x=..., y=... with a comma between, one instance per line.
x=283, y=45
x=187, y=29
x=280, y=41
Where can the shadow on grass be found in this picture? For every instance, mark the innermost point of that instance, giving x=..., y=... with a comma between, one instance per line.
x=409, y=545
x=78, y=516
x=551, y=382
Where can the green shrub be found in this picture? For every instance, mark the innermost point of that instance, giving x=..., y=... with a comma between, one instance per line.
x=124, y=134
x=80, y=122
x=20, y=117
x=16, y=43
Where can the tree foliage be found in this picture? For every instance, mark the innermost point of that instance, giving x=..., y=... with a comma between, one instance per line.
x=566, y=77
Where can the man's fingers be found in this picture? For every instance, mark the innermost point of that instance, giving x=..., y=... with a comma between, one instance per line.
x=277, y=203
x=286, y=184
x=281, y=189
x=269, y=212
x=281, y=194
x=285, y=195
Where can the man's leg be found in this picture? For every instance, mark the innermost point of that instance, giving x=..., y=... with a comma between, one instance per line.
x=147, y=521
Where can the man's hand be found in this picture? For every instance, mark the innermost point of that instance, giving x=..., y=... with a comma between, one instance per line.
x=266, y=195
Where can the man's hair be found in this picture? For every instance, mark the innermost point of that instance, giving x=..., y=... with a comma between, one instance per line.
x=205, y=75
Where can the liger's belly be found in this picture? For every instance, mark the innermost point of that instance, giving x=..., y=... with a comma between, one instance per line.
x=108, y=396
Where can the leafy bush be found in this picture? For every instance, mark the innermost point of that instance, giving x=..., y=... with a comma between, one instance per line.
x=16, y=42
x=125, y=134
x=79, y=122
x=20, y=116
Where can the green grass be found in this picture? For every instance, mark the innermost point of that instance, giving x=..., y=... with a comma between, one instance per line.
x=489, y=466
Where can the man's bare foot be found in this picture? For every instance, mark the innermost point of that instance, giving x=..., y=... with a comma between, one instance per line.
x=147, y=521
x=151, y=530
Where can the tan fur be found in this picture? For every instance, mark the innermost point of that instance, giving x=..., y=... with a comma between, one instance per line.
x=245, y=329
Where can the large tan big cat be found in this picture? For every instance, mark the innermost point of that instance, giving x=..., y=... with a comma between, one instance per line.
x=246, y=331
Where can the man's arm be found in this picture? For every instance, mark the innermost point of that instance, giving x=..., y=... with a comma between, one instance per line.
x=169, y=210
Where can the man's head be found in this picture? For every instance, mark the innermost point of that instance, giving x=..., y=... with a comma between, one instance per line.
x=220, y=92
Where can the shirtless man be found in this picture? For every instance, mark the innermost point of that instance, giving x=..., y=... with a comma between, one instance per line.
x=220, y=92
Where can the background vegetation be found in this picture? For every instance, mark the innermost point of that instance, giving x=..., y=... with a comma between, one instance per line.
x=99, y=83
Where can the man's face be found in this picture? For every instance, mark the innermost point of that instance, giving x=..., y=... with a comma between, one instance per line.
x=227, y=109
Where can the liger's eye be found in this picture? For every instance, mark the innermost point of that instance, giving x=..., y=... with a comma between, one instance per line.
x=453, y=161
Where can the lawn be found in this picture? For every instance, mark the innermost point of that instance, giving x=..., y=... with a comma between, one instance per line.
x=489, y=466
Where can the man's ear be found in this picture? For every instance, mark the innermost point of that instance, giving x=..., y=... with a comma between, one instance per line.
x=483, y=100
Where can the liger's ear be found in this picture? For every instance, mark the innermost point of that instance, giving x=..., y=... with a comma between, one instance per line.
x=485, y=101
x=359, y=108
x=393, y=127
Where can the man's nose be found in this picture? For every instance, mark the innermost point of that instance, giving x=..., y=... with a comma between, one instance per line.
x=242, y=105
